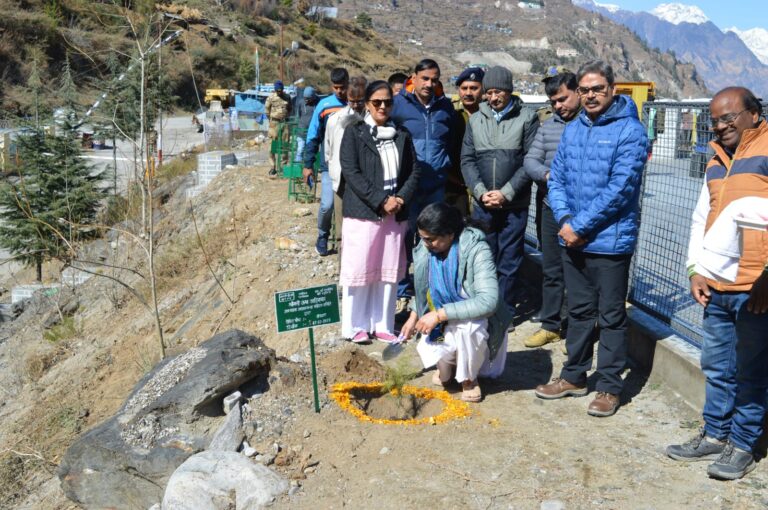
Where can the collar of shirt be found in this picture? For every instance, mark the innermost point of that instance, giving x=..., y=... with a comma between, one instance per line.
x=499, y=115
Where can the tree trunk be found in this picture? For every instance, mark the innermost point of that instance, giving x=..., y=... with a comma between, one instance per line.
x=39, y=268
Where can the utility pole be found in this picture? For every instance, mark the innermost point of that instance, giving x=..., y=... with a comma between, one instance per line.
x=159, y=93
x=281, y=52
x=258, y=70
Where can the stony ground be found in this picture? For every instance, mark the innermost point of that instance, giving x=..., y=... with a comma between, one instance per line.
x=515, y=451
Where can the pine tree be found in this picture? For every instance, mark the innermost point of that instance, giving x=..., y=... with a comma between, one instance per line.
x=50, y=203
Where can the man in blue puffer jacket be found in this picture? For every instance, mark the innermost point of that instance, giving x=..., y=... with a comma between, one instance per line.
x=594, y=192
x=427, y=114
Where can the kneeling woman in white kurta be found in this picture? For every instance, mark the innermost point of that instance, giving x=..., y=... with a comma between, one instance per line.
x=457, y=306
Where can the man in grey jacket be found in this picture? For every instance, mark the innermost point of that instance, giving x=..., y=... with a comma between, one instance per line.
x=495, y=143
x=560, y=86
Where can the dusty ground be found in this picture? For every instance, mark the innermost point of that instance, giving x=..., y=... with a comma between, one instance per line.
x=515, y=451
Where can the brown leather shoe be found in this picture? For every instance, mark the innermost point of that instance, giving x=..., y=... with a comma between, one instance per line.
x=605, y=404
x=560, y=388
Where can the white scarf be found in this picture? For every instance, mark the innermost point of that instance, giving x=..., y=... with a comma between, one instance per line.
x=385, y=143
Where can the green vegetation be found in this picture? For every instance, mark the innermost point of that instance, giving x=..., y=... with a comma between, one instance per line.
x=65, y=330
x=398, y=375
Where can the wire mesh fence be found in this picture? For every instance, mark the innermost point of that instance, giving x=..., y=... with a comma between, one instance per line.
x=679, y=134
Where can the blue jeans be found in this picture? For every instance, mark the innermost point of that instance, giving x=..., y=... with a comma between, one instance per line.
x=506, y=237
x=420, y=200
x=325, y=214
x=734, y=359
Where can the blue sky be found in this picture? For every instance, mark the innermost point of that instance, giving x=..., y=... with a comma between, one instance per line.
x=743, y=14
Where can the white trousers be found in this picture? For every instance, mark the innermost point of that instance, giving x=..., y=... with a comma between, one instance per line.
x=466, y=347
x=369, y=308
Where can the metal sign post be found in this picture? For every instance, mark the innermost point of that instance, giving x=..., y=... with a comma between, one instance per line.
x=305, y=309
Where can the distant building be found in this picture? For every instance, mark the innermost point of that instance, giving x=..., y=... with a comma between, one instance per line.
x=531, y=4
x=323, y=11
x=566, y=52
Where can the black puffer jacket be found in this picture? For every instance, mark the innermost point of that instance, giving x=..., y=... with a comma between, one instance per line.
x=362, y=184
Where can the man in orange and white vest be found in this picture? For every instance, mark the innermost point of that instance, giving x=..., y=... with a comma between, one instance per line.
x=728, y=257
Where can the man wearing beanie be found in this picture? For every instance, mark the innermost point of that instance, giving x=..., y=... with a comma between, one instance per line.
x=470, y=84
x=277, y=108
x=497, y=138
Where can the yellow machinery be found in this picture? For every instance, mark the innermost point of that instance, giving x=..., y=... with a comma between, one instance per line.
x=639, y=91
x=224, y=95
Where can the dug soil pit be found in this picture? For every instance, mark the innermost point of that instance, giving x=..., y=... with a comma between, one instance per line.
x=395, y=407
x=351, y=365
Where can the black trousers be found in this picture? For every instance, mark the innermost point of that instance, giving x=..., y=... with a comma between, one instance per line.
x=597, y=292
x=553, y=316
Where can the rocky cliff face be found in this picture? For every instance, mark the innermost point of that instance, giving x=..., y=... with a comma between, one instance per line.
x=496, y=33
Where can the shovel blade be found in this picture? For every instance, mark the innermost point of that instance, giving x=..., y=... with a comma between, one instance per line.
x=392, y=351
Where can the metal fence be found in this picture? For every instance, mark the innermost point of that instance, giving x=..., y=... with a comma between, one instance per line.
x=679, y=134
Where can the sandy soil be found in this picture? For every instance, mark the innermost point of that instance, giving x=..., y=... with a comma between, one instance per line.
x=515, y=451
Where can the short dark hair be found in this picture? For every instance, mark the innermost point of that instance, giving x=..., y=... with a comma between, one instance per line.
x=440, y=219
x=339, y=75
x=425, y=64
x=358, y=83
x=374, y=86
x=750, y=102
x=395, y=78
x=553, y=84
x=597, y=67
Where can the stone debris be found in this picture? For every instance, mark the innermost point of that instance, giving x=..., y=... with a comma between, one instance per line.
x=284, y=243
x=231, y=400
x=230, y=434
x=302, y=211
x=165, y=379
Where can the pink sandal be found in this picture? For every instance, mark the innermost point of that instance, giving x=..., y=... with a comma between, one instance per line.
x=361, y=337
x=387, y=338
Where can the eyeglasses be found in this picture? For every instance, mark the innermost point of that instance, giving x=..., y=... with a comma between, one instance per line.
x=728, y=119
x=378, y=103
x=356, y=102
x=598, y=90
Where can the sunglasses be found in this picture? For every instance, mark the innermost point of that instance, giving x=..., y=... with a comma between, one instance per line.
x=378, y=103
x=598, y=90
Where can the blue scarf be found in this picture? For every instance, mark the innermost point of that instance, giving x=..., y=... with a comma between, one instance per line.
x=444, y=284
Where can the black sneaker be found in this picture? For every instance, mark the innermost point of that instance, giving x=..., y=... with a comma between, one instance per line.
x=696, y=449
x=273, y=173
x=321, y=246
x=732, y=464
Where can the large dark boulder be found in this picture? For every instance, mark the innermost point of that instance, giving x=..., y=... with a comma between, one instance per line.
x=171, y=414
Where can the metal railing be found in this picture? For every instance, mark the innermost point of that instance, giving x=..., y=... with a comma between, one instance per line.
x=679, y=135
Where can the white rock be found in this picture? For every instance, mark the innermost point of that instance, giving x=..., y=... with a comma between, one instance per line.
x=552, y=504
x=231, y=400
x=215, y=480
x=384, y=451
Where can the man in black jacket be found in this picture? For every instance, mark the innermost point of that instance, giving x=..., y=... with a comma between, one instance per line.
x=496, y=140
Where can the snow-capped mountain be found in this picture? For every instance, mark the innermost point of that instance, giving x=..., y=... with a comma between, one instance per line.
x=722, y=58
x=680, y=13
x=756, y=40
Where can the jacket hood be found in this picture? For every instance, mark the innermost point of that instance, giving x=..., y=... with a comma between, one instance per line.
x=517, y=105
x=469, y=237
x=622, y=107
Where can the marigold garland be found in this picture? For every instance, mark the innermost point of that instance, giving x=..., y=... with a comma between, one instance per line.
x=341, y=393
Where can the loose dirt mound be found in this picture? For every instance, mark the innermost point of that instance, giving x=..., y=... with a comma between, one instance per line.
x=351, y=365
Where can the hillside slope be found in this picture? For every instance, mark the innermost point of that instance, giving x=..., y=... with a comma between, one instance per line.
x=216, y=49
x=500, y=31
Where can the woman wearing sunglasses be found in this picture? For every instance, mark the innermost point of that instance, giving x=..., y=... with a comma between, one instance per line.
x=379, y=178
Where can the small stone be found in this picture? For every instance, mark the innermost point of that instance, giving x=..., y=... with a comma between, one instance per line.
x=384, y=451
x=310, y=469
x=295, y=483
x=231, y=400
x=302, y=211
x=552, y=504
x=295, y=357
x=307, y=434
x=353, y=455
x=294, y=490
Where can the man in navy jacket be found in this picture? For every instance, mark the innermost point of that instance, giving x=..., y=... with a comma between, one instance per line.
x=427, y=114
x=594, y=192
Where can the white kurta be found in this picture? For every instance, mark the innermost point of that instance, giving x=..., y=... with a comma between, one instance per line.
x=466, y=347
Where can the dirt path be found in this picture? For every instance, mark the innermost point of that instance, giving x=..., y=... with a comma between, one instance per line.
x=516, y=451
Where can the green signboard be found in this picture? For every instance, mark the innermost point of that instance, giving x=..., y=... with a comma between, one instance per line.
x=306, y=308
